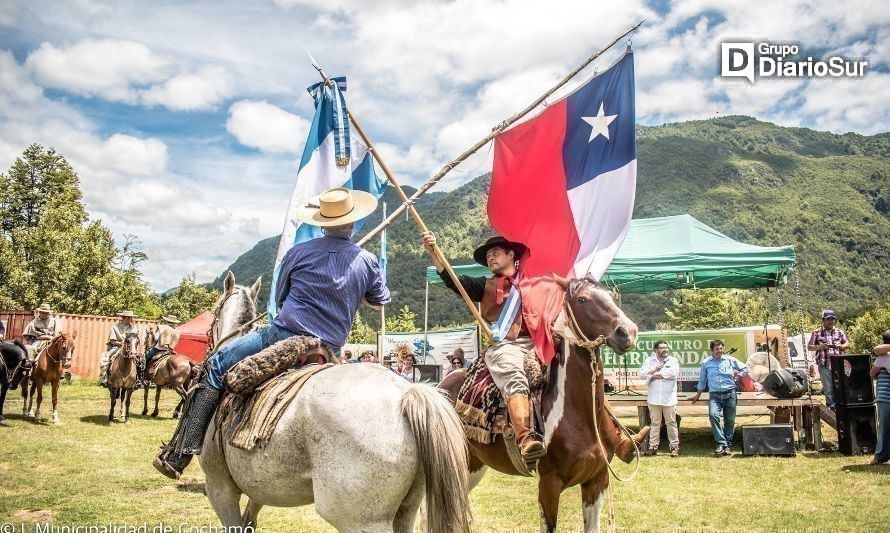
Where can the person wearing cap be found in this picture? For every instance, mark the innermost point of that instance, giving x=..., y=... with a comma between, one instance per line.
x=116, y=337
x=321, y=284
x=827, y=341
x=505, y=358
x=162, y=339
x=40, y=331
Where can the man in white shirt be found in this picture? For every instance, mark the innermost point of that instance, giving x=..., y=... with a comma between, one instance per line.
x=660, y=371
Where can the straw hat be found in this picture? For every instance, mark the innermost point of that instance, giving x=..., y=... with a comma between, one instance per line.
x=337, y=207
x=126, y=313
x=44, y=308
x=170, y=319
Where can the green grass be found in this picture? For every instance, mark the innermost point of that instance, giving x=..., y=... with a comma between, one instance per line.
x=86, y=472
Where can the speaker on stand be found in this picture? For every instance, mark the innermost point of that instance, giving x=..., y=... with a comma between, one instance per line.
x=854, y=399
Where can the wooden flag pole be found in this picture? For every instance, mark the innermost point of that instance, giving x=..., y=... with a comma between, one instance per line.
x=407, y=202
x=494, y=133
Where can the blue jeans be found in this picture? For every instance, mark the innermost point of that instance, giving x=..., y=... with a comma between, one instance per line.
x=827, y=385
x=722, y=404
x=882, y=452
x=242, y=348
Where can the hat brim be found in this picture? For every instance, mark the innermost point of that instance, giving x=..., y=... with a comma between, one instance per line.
x=124, y=315
x=518, y=249
x=364, y=204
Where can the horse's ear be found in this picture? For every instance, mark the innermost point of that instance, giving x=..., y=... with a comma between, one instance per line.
x=74, y=335
x=256, y=287
x=561, y=281
x=229, y=284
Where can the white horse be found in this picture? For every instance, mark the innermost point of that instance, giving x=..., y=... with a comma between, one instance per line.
x=359, y=442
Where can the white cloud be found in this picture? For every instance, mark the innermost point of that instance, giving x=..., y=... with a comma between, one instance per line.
x=269, y=128
x=108, y=68
x=863, y=108
x=199, y=90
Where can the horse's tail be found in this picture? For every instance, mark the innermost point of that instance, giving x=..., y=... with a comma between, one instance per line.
x=442, y=451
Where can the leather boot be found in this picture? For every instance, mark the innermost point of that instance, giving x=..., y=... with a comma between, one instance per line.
x=519, y=408
x=199, y=409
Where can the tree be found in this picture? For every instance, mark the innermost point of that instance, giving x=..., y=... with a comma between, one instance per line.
x=51, y=252
x=715, y=309
x=189, y=299
x=866, y=331
x=361, y=332
x=403, y=322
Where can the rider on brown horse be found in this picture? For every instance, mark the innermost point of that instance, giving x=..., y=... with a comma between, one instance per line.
x=321, y=284
x=505, y=358
x=164, y=339
x=40, y=331
x=116, y=336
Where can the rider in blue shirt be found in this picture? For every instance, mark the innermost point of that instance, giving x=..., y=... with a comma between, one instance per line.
x=321, y=284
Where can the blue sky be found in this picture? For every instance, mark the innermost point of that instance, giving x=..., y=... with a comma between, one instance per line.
x=185, y=122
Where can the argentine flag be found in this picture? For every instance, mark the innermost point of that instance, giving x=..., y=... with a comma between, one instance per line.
x=333, y=157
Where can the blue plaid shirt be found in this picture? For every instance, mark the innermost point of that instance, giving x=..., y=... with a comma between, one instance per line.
x=322, y=283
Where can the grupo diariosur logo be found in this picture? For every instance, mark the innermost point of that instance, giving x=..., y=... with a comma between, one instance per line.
x=753, y=61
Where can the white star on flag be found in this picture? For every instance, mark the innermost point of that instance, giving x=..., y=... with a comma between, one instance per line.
x=600, y=123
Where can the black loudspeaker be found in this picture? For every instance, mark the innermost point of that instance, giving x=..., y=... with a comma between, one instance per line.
x=768, y=439
x=856, y=429
x=852, y=384
x=430, y=373
x=786, y=383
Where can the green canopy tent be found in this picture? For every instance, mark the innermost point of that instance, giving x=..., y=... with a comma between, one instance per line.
x=677, y=252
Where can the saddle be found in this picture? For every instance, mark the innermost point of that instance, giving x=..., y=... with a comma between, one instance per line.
x=481, y=406
x=156, y=362
x=248, y=421
x=293, y=352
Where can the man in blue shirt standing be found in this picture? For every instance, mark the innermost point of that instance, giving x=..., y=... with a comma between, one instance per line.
x=321, y=284
x=719, y=372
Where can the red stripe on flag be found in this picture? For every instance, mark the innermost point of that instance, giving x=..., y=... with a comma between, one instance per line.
x=528, y=203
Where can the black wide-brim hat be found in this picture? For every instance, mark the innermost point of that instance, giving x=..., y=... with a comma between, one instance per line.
x=498, y=242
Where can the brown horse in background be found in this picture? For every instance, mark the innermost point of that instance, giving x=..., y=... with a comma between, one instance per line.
x=52, y=361
x=177, y=372
x=580, y=432
x=122, y=376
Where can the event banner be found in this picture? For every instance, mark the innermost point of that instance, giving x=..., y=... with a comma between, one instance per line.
x=689, y=347
x=440, y=344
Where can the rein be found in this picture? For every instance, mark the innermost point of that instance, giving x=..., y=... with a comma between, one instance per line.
x=50, y=357
x=593, y=347
x=11, y=373
x=213, y=345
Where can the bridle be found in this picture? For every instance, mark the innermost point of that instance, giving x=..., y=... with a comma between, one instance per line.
x=128, y=351
x=593, y=347
x=213, y=345
x=67, y=357
x=11, y=373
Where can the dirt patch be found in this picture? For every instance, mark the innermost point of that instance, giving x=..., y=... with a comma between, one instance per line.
x=4, y=467
x=41, y=515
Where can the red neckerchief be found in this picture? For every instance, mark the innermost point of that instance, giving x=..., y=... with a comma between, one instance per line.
x=504, y=281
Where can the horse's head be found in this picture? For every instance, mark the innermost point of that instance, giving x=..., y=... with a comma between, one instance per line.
x=130, y=345
x=596, y=313
x=233, y=309
x=63, y=343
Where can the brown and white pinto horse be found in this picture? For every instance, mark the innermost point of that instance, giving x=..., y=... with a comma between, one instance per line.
x=575, y=456
x=49, y=368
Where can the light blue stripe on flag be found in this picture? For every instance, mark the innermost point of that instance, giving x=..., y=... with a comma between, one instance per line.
x=320, y=169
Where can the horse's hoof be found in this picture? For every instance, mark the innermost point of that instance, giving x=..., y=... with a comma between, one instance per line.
x=145, y=412
x=175, y=416
x=155, y=414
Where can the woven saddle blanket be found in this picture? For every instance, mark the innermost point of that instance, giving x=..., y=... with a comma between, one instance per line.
x=248, y=421
x=480, y=404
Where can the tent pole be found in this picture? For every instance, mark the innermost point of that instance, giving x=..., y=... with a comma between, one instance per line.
x=426, y=317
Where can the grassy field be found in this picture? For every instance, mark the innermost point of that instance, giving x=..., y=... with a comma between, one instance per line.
x=86, y=472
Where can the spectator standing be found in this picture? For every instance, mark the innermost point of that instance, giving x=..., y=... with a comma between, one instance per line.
x=881, y=373
x=660, y=371
x=827, y=341
x=718, y=373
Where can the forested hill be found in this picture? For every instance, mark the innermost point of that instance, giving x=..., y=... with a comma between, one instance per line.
x=827, y=194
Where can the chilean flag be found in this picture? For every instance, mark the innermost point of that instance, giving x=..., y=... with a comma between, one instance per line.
x=563, y=184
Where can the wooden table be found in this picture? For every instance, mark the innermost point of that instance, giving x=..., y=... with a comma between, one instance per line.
x=805, y=413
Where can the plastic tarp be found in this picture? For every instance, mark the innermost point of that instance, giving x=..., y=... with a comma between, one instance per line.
x=681, y=252
x=193, y=338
